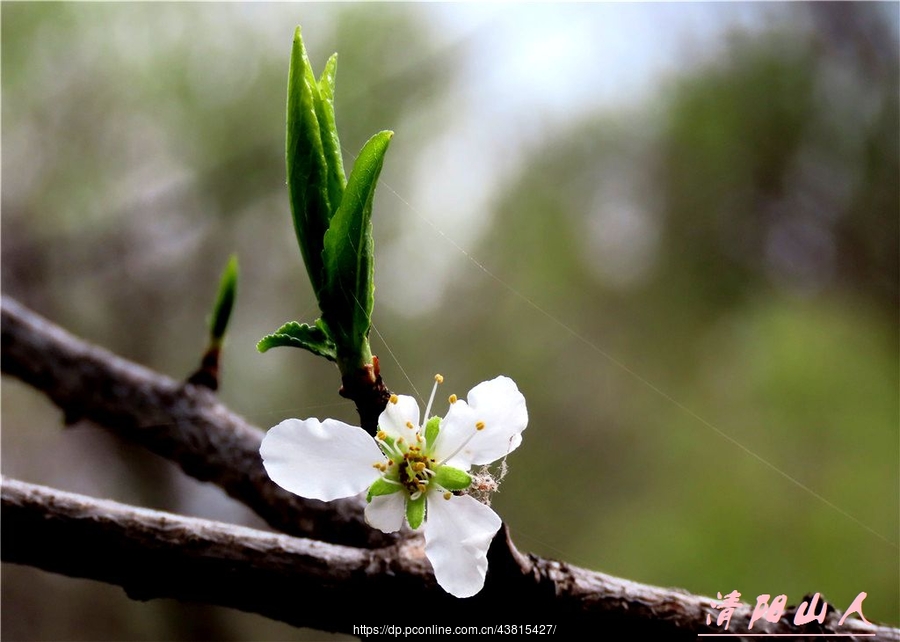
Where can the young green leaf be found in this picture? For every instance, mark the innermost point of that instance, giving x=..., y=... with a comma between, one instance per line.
x=331, y=145
x=224, y=301
x=307, y=161
x=348, y=256
x=301, y=335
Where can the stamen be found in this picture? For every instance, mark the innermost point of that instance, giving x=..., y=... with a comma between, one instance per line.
x=391, y=450
x=453, y=399
x=394, y=399
x=438, y=379
x=448, y=495
x=479, y=426
x=409, y=425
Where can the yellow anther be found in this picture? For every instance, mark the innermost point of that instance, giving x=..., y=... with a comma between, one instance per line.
x=419, y=438
x=479, y=425
x=381, y=435
x=439, y=378
x=419, y=466
x=394, y=398
x=453, y=399
x=409, y=425
x=448, y=495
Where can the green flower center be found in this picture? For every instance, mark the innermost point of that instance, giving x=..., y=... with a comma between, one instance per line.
x=413, y=467
x=415, y=471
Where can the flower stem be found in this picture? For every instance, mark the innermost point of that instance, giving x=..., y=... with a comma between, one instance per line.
x=364, y=387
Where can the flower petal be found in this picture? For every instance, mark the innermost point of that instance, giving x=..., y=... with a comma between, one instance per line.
x=456, y=427
x=501, y=407
x=458, y=533
x=386, y=512
x=326, y=460
x=398, y=417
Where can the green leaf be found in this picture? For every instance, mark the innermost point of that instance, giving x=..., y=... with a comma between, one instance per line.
x=348, y=256
x=224, y=301
x=415, y=511
x=331, y=145
x=452, y=478
x=301, y=335
x=382, y=487
x=308, y=159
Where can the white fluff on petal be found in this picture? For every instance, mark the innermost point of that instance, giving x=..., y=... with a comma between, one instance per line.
x=398, y=417
x=386, y=512
x=458, y=533
x=320, y=460
x=499, y=404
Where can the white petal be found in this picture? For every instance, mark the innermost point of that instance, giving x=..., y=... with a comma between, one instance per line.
x=326, y=460
x=458, y=533
x=456, y=427
x=398, y=417
x=499, y=404
x=386, y=512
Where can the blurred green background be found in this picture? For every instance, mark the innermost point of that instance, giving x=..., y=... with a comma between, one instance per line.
x=675, y=226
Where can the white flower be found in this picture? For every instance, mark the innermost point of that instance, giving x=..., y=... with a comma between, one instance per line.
x=411, y=470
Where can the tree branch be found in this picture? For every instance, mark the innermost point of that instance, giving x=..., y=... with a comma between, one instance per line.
x=178, y=421
x=152, y=554
x=302, y=582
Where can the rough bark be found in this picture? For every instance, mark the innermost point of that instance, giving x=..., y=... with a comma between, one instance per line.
x=331, y=587
x=181, y=422
x=321, y=584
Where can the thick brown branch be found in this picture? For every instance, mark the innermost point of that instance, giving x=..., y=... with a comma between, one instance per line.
x=152, y=554
x=182, y=422
x=332, y=587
